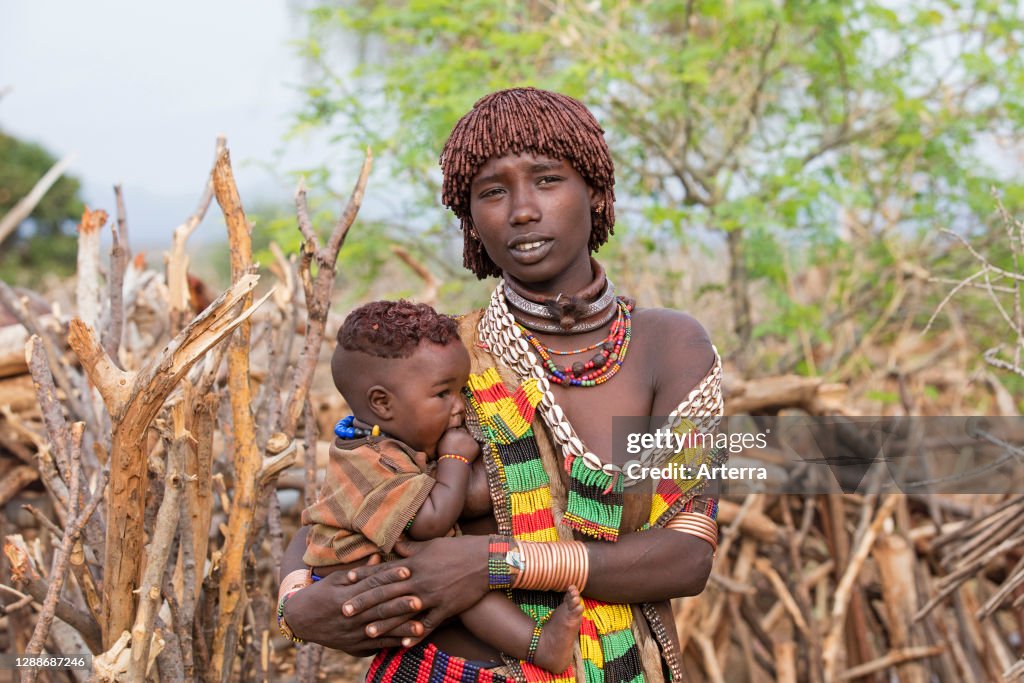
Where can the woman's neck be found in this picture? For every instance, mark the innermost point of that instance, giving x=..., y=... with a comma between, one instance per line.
x=569, y=283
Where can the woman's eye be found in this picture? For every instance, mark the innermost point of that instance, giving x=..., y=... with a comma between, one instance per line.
x=547, y=180
x=493, y=192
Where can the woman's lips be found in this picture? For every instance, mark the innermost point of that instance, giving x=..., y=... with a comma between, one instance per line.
x=528, y=253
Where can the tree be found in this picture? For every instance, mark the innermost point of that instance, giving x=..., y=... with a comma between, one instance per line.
x=21, y=165
x=844, y=123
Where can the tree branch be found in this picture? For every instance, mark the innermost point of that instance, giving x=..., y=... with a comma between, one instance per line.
x=20, y=211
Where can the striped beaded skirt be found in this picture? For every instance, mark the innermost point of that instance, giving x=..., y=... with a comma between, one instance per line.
x=424, y=663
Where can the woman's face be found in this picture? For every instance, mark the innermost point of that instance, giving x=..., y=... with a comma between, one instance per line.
x=533, y=215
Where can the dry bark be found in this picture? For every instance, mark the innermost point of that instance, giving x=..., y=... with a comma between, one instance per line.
x=133, y=399
x=247, y=460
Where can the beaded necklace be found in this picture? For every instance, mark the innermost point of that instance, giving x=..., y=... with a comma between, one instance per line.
x=599, y=369
x=498, y=331
x=346, y=429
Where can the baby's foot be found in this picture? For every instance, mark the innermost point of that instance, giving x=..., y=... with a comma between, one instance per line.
x=560, y=633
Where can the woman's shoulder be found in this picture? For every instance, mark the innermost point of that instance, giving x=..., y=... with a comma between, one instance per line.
x=677, y=352
x=681, y=327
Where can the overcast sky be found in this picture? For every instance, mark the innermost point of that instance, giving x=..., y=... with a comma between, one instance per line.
x=140, y=91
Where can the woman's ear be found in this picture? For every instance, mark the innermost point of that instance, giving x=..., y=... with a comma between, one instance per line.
x=380, y=401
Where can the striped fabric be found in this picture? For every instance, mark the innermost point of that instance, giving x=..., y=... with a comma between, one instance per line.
x=372, y=489
x=426, y=664
x=608, y=648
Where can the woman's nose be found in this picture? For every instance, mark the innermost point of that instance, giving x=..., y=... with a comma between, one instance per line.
x=524, y=210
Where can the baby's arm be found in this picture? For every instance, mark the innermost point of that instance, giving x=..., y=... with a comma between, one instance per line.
x=448, y=496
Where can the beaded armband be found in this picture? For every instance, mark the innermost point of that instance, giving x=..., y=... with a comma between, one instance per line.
x=499, y=573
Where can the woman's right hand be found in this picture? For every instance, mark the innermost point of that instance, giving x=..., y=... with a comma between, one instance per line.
x=447, y=576
x=315, y=613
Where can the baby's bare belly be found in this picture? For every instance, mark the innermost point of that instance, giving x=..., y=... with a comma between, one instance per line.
x=453, y=639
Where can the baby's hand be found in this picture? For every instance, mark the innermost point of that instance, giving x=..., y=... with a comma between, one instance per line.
x=458, y=442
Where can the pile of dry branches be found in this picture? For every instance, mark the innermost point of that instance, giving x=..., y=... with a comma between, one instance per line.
x=861, y=588
x=159, y=446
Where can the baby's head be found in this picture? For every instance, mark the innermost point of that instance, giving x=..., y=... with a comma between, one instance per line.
x=402, y=366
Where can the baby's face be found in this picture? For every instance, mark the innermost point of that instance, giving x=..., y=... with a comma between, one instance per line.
x=427, y=394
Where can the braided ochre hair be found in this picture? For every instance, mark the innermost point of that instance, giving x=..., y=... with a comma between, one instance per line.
x=534, y=121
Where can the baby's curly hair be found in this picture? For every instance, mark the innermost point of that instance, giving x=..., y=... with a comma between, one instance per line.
x=521, y=120
x=393, y=329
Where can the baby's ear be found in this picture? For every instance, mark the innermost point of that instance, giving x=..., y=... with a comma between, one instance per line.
x=380, y=400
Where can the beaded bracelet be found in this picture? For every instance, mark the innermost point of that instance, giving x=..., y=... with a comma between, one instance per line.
x=453, y=456
x=499, y=572
x=531, y=651
x=282, y=625
x=553, y=566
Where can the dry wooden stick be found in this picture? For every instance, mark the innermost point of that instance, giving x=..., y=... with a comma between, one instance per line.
x=132, y=400
x=318, y=294
x=965, y=571
x=159, y=548
x=16, y=307
x=430, y=285
x=830, y=649
x=56, y=428
x=15, y=480
x=895, y=657
x=60, y=558
x=894, y=558
x=710, y=660
x=199, y=492
x=1013, y=581
x=177, y=260
x=20, y=211
x=87, y=291
x=764, y=566
x=247, y=458
x=119, y=255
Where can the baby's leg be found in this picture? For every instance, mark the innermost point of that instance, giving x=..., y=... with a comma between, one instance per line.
x=498, y=622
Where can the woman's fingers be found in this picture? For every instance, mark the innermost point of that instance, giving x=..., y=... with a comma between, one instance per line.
x=373, y=593
x=403, y=608
x=396, y=627
x=432, y=620
x=373, y=569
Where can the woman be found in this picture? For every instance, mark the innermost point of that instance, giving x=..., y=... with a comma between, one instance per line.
x=556, y=355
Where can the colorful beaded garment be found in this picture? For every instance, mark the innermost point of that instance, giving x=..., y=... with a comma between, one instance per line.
x=426, y=664
x=520, y=489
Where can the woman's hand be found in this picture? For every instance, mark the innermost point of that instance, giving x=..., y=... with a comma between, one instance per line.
x=315, y=613
x=446, y=575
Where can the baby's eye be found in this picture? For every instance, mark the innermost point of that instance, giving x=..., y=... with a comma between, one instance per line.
x=444, y=393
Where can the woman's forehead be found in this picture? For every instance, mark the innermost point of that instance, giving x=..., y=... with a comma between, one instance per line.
x=526, y=159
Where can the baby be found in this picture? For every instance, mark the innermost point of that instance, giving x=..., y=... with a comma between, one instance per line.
x=401, y=367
